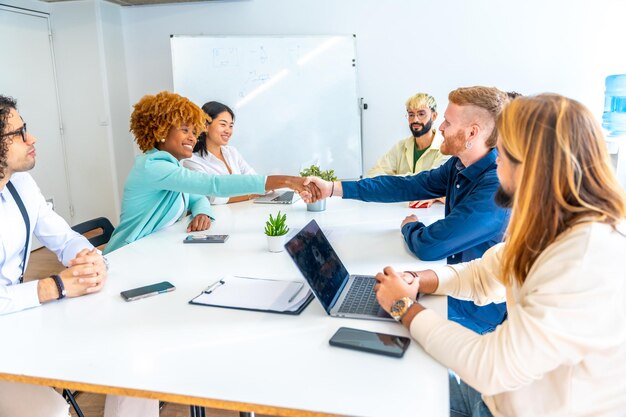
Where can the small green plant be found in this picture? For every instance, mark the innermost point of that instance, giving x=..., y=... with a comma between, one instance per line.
x=276, y=226
x=315, y=171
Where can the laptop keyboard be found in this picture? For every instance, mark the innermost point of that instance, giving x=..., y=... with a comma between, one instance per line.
x=288, y=196
x=361, y=298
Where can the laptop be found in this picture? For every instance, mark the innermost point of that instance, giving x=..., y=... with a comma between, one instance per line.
x=278, y=197
x=341, y=294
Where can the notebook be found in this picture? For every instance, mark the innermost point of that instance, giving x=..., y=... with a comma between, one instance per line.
x=341, y=294
x=278, y=197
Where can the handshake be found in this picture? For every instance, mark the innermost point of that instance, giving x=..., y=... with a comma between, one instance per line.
x=312, y=189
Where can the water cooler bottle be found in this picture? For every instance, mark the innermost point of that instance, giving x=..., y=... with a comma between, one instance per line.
x=614, y=121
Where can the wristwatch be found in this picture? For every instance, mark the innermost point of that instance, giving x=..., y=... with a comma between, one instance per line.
x=400, y=307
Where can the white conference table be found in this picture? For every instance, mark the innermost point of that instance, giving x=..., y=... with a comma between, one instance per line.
x=162, y=347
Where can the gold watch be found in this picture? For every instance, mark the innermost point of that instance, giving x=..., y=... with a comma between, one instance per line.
x=400, y=307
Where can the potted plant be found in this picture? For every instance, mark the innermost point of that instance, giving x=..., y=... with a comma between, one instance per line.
x=315, y=171
x=276, y=229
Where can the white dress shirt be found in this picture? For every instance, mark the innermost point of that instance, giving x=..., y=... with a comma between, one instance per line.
x=210, y=164
x=45, y=224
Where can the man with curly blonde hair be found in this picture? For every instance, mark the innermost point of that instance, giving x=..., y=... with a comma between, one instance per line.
x=420, y=151
x=159, y=190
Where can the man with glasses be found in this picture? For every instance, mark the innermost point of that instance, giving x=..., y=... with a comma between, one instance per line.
x=24, y=212
x=420, y=151
x=473, y=222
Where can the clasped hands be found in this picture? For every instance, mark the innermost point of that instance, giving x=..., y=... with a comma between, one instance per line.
x=86, y=273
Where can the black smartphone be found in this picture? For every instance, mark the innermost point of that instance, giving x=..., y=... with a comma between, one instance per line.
x=384, y=344
x=205, y=239
x=147, y=291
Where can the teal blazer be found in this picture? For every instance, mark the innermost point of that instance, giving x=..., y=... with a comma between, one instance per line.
x=157, y=186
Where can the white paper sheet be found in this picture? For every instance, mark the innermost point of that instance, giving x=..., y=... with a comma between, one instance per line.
x=255, y=293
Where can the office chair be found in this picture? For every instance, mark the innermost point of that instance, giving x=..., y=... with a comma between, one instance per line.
x=92, y=225
x=88, y=229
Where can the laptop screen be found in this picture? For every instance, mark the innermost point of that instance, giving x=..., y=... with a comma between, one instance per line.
x=318, y=262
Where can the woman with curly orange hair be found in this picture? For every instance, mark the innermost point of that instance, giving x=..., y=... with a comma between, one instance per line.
x=159, y=190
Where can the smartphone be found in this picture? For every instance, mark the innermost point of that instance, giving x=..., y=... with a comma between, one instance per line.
x=383, y=344
x=147, y=291
x=205, y=239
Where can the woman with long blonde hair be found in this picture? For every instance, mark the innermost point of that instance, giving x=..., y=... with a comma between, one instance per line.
x=562, y=349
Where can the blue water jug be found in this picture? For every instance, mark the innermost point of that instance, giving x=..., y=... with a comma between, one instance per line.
x=614, y=117
x=614, y=121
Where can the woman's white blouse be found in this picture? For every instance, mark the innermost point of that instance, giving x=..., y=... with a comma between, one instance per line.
x=210, y=164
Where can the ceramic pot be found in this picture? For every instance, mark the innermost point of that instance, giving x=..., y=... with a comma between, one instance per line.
x=276, y=243
x=319, y=205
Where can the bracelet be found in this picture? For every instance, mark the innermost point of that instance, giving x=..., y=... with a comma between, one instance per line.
x=332, y=190
x=60, y=287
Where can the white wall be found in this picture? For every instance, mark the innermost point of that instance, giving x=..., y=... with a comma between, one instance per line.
x=81, y=90
x=93, y=95
x=116, y=95
x=108, y=56
x=405, y=46
x=33, y=83
x=84, y=95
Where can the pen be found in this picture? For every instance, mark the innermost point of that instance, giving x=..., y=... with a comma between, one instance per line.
x=297, y=292
x=213, y=286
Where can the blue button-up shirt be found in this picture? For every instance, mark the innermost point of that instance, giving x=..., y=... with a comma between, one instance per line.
x=473, y=222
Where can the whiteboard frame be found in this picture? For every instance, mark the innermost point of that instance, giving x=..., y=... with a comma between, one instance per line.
x=345, y=155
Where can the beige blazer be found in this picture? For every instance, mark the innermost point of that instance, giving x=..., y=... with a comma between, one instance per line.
x=399, y=159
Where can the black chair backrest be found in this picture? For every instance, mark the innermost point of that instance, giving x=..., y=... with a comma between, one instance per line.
x=94, y=224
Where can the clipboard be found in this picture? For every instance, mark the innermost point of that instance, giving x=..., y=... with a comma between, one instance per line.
x=256, y=294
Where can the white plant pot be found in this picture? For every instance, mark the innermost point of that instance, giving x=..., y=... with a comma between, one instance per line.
x=319, y=205
x=276, y=243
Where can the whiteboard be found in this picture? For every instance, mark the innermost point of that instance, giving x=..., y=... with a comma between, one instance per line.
x=294, y=97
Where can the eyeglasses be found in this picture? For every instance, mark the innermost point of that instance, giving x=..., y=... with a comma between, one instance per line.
x=419, y=115
x=21, y=131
